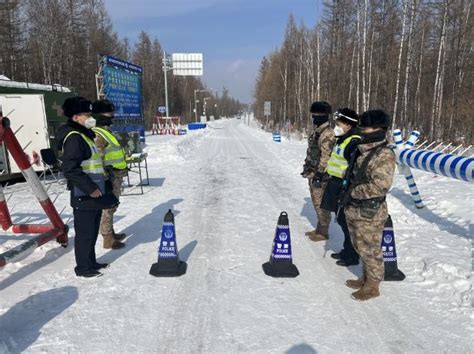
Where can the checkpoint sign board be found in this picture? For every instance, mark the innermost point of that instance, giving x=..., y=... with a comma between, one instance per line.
x=187, y=64
x=267, y=108
x=123, y=87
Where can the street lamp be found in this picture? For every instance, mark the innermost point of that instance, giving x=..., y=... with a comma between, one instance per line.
x=195, y=103
x=205, y=103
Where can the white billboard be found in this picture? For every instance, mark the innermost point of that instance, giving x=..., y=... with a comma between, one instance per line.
x=187, y=64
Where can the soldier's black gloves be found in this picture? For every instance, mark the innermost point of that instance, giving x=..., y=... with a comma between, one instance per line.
x=317, y=180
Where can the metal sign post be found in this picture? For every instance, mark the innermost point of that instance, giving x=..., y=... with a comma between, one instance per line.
x=267, y=110
x=182, y=64
x=166, y=68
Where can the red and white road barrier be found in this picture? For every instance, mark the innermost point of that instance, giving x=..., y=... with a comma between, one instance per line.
x=57, y=227
x=21, y=251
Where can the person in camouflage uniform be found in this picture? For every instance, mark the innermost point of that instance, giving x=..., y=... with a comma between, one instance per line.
x=320, y=144
x=116, y=168
x=365, y=205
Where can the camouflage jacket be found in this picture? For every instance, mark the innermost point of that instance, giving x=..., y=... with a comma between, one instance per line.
x=320, y=144
x=378, y=177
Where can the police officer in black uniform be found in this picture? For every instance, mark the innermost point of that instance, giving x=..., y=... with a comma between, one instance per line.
x=339, y=168
x=84, y=171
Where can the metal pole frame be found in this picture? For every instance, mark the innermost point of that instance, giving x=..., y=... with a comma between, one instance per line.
x=99, y=78
x=166, y=68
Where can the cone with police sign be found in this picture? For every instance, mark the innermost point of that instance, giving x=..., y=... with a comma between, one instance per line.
x=168, y=264
x=392, y=273
x=281, y=262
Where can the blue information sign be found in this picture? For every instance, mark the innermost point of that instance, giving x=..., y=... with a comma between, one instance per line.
x=123, y=87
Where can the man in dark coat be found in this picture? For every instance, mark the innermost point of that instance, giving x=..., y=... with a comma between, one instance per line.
x=338, y=168
x=83, y=169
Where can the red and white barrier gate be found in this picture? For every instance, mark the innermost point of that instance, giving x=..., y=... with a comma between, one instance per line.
x=56, y=230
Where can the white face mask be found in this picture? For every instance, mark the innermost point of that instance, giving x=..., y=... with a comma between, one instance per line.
x=338, y=131
x=90, y=123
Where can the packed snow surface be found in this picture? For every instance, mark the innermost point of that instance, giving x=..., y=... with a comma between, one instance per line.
x=227, y=185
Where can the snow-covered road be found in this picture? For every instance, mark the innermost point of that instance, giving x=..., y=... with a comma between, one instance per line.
x=227, y=185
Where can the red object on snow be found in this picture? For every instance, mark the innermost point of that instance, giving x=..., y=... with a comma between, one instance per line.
x=56, y=230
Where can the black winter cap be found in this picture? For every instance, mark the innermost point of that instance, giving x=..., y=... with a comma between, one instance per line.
x=321, y=107
x=347, y=115
x=76, y=105
x=375, y=118
x=103, y=106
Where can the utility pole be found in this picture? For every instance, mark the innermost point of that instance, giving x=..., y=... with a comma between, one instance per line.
x=195, y=103
x=165, y=71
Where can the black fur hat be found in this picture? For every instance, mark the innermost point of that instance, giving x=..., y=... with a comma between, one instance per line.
x=103, y=106
x=321, y=107
x=375, y=118
x=76, y=105
x=347, y=115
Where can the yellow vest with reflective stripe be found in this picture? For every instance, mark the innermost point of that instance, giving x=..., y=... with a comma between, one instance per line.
x=93, y=165
x=114, y=154
x=337, y=164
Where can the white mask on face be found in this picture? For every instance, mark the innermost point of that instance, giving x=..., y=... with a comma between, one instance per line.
x=90, y=123
x=338, y=131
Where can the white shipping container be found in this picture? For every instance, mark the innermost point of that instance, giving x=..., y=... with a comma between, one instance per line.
x=27, y=115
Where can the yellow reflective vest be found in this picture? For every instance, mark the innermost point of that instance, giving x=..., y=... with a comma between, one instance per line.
x=337, y=164
x=114, y=153
x=94, y=165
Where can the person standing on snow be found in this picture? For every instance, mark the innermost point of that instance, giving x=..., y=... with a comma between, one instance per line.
x=320, y=144
x=84, y=171
x=338, y=169
x=365, y=205
x=113, y=156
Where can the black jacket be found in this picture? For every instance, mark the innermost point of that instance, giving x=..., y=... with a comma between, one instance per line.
x=334, y=185
x=75, y=150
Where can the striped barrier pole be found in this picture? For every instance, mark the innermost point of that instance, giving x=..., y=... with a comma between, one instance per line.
x=399, y=145
x=21, y=251
x=6, y=221
x=448, y=165
x=5, y=218
x=31, y=178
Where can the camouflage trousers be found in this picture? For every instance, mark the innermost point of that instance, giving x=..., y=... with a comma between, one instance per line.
x=366, y=236
x=324, y=216
x=107, y=220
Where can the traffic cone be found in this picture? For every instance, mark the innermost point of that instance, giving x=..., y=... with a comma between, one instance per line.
x=281, y=263
x=168, y=264
x=392, y=273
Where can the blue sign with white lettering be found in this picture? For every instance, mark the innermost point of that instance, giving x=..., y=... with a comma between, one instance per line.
x=115, y=62
x=124, y=89
x=122, y=84
x=168, y=247
x=282, y=243
x=388, y=245
x=162, y=109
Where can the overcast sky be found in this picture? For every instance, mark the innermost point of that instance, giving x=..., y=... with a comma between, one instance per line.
x=233, y=35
